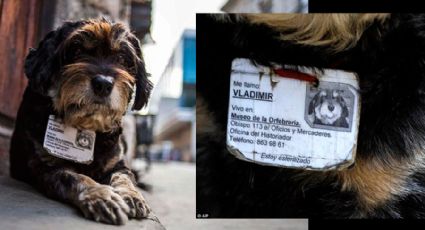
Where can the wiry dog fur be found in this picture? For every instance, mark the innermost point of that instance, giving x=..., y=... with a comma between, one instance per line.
x=387, y=179
x=60, y=72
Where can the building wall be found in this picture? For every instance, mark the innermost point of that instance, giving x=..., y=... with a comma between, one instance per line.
x=115, y=10
x=175, y=108
x=4, y=154
x=18, y=30
x=181, y=139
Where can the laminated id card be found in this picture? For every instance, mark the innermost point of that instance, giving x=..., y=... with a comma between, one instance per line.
x=286, y=122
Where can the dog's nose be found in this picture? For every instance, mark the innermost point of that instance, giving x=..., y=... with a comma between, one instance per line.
x=331, y=107
x=102, y=85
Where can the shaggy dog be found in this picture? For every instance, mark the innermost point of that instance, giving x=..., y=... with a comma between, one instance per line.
x=329, y=108
x=85, y=74
x=387, y=53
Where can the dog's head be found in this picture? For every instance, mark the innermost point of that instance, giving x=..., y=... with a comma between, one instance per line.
x=90, y=69
x=84, y=140
x=328, y=106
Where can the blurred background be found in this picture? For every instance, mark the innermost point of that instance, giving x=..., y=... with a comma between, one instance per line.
x=161, y=137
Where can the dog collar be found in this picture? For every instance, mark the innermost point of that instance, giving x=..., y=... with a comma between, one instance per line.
x=287, y=73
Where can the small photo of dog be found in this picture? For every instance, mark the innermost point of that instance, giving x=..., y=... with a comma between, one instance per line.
x=84, y=140
x=329, y=107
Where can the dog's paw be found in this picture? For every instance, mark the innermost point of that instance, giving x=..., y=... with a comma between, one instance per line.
x=134, y=199
x=101, y=203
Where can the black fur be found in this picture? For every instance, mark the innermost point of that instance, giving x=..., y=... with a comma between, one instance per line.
x=143, y=85
x=63, y=179
x=42, y=63
x=389, y=59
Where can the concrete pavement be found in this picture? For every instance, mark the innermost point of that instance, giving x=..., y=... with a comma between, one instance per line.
x=173, y=199
x=21, y=207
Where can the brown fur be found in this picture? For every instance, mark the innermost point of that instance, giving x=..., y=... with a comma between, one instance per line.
x=123, y=185
x=74, y=93
x=337, y=31
x=101, y=30
x=110, y=164
x=85, y=73
x=102, y=203
x=375, y=181
x=204, y=118
x=95, y=32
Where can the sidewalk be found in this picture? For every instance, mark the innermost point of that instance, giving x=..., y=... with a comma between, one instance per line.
x=24, y=208
x=173, y=199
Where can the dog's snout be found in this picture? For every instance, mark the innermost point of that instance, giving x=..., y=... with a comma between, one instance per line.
x=102, y=85
x=331, y=107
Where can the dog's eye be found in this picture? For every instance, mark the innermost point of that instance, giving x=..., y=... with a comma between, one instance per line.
x=77, y=52
x=121, y=59
x=75, y=44
x=76, y=48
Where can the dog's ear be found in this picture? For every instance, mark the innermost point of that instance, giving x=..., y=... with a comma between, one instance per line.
x=143, y=84
x=344, y=106
x=44, y=61
x=40, y=62
x=313, y=103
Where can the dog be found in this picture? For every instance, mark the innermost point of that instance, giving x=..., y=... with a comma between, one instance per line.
x=387, y=179
x=84, y=140
x=329, y=108
x=84, y=73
